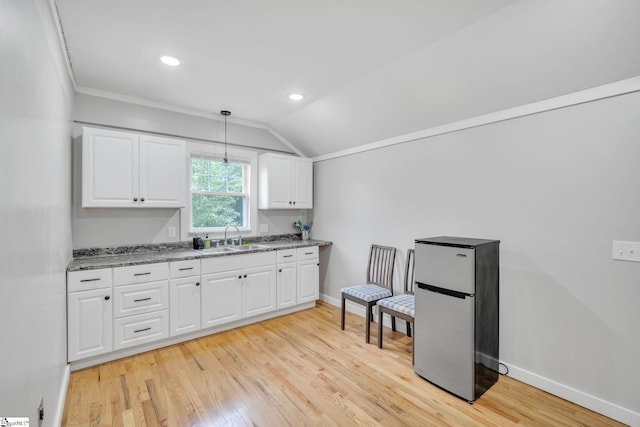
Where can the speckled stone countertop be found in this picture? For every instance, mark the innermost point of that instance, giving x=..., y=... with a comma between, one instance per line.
x=122, y=256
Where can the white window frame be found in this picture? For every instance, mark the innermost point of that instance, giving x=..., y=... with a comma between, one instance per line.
x=213, y=152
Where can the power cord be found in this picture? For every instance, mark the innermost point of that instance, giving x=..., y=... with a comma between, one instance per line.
x=505, y=367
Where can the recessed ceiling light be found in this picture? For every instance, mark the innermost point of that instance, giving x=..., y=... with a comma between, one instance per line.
x=295, y=97
x=170, y=60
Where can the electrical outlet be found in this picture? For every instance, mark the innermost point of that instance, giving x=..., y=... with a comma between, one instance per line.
x=171, y=231
x=626, y=251
x=41, y=412
x=264, y=228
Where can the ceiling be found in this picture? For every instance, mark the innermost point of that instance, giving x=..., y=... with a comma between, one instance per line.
x=369, y=69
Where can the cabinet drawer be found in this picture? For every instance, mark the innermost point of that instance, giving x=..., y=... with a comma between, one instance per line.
x=88, y=280
x=307, y=253
x=140, y=273
x=447, y=267
x=140, y=329
x=237, y=262
x=286, y=255
x=142, y=298
x=186, y=268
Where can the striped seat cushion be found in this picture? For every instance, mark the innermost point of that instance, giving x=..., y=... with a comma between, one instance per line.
x=367, y=292
x=401, y=303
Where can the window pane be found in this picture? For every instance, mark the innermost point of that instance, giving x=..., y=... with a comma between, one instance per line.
x=218, y=211
x=216, y=176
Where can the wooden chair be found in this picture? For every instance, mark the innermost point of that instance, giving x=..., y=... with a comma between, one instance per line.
x=379, y=284
x=401, y=306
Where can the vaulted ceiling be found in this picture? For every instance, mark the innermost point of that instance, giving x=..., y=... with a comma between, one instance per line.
x=368, y=69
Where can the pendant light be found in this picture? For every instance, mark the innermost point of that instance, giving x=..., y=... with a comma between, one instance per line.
x=225, y=113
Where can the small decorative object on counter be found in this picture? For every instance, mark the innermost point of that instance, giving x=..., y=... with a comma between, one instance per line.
x=207, y=242
x=306, y=230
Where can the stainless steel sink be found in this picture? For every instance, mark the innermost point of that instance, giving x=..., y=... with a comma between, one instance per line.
x=234, y=248
x=217, y=250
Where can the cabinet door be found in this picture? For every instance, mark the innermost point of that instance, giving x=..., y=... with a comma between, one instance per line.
x=286, y=293
x=89, y=323
x=184, y=311
x=302, y=183
x=308, y=280
x=279, y=179
x=221, y=298
x=109, y=168
x=258, y=290
x=162, y=172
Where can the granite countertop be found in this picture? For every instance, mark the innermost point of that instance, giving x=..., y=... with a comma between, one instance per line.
x=95, y=258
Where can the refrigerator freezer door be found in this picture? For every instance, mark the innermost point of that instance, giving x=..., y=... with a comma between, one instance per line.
x=444, y=341
x=448, y=267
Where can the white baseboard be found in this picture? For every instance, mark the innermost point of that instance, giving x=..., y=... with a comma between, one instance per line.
x=571, y=394
x=57, y=421
x=578, y=397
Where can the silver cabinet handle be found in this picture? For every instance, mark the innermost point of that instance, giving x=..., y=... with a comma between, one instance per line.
x=89, y=280
x=142, y=330
x=185, y=269
x=142, y=299
x=142, y=274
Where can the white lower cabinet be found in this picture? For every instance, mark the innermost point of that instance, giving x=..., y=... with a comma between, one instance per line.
x=308, y=280
x=89, y=316
x=141, y=306
x=116, y=308
x=221, y=298
x=184, y=307
x=184, y=297
x=287, y=271
x=258, y=290
x=238, y=286
x=139, y=329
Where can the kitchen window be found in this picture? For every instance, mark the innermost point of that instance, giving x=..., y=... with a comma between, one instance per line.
x=220, y=194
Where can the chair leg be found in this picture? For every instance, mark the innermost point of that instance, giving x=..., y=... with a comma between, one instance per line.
x=393, y=323
x=379, y=328
x=342, y=315
x=408, y=329
x=368, y=324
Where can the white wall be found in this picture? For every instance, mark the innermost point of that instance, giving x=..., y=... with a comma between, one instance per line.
x=556, y=188
x=112, y=227
x=35, y=165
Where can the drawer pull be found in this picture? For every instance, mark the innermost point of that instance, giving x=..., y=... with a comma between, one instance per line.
x=142, y=299
x=287, y=256
x=89, y=280
x=461, y=255
x=142, y=274
x=142, y=330
x=185, y=269
x=308, y=253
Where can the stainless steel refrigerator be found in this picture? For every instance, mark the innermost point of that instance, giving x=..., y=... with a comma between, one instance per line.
x=456, y=313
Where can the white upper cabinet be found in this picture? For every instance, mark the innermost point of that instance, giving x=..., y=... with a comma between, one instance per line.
x=286, y=182
x=122, y=169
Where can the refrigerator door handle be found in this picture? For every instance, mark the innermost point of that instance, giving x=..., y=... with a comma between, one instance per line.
x=443, y=291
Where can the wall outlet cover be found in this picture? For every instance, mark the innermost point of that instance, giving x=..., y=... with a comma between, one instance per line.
x=625, y=251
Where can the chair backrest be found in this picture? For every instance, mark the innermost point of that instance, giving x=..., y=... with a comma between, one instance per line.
x=381, y=263
x=408, y=272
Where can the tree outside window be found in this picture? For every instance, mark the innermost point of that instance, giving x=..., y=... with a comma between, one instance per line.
x=219, y=194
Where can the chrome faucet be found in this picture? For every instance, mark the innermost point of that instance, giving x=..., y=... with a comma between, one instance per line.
x=225, y=234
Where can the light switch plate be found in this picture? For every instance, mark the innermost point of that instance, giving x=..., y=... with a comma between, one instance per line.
x=626, y=251
x=171, y=231
x=264, y=228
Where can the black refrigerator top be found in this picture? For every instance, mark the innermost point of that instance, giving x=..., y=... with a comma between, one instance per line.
x=460, y=242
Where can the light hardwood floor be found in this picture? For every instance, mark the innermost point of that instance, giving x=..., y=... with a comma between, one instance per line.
x=299, y=370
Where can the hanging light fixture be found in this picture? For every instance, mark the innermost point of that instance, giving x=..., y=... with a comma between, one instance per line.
x=225, y=113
